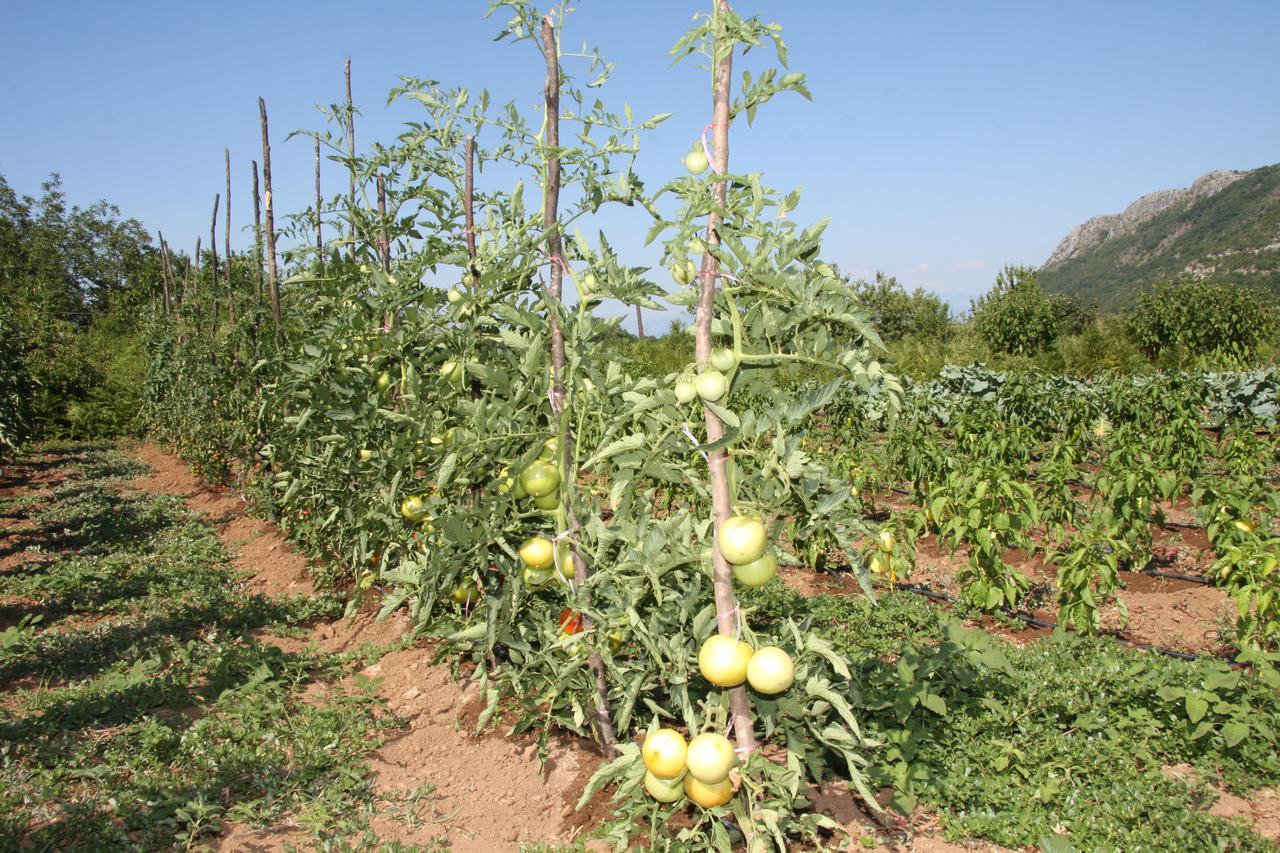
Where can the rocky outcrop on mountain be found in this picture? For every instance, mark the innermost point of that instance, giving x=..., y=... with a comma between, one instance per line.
x=1092, y=232
x=1224, y=226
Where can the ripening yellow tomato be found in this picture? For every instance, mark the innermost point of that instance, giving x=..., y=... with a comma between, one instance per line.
x=664, y=753
x=710, y=757
x=770, y=670
x=723, y=660
x=708, y=795
x=741, y=539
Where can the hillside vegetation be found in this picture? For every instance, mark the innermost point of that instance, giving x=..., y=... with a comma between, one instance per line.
x=1225, y=227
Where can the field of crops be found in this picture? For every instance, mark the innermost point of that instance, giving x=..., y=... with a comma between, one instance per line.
x=779, y=575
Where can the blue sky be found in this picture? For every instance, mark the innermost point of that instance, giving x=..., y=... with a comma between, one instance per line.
x=945, y=139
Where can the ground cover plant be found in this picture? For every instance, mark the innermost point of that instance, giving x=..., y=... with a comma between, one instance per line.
x=138, y=711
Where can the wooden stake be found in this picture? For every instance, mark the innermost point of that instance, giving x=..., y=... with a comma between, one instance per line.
x=718, y=460
x=273, y=275
x=319, y=233
x=164, y=271
x=351, y=155
x=639, y=323
x=213, y=263
x=231, y=292
x=384, y=243
x=551, y=228
x=257, y=228
x=468, y=208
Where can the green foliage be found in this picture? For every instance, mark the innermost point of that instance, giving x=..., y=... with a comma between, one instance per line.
x=15, y=393
x=1182, y=321
x=1018, y=318
x=61, y=271
x=1065, y=736
x=897, y=314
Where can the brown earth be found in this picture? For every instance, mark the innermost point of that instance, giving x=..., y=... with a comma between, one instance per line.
x=1262, y=811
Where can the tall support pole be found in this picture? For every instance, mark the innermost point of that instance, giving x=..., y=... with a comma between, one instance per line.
x=351, y=155
x=231, y=291
x=555, y=253
x=273, y=274
x=213, y=264
x=718, y=460
x=164, y=271
x=468, y=209
x=384, y=243
x=257, y=229
x=318, y=223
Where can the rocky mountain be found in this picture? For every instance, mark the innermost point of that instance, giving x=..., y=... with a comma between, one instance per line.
x=1225, y=226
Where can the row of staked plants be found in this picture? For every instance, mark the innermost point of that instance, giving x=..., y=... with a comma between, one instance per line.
x=474, y=453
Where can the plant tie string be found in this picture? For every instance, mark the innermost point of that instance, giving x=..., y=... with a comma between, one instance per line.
x=693, y=440
x=557, y=259
x=706, y=149
x=555, y=556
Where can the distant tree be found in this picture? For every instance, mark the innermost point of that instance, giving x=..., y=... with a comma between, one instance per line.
x=1019, y=318
x=895, y=313
x=61, y=267
x=1201, y=318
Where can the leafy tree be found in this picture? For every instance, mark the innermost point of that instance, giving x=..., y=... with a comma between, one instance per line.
x=1196, y=318
x=1017, y=317
x=897, y=314
x=60, y=268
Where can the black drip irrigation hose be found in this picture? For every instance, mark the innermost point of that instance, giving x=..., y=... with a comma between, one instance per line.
x=1174, y=575
x=1036, y=622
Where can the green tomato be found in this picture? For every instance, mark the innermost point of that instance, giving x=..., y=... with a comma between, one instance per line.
x=685, y=391
x=453, y=372
x=663, y=790
x=536, y=578
x=455, y=295
x=711, y=385
x=540, y=479
x=467, y=593
x=549, y=448
x=696, y=162
x=759, y=571
x=537, y=553
x=366, y=454
x=413, y=508
x=724, y=359
x=550, y=502
x=741, y=540
x=384, y=381
x=685, y=273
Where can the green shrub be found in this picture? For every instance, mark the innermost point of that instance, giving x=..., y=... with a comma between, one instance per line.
x=1181, y=323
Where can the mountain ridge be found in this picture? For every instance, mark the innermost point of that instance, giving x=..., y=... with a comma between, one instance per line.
x=1225, y=226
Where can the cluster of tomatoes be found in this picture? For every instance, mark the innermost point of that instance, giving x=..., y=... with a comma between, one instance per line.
x=700, y=769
